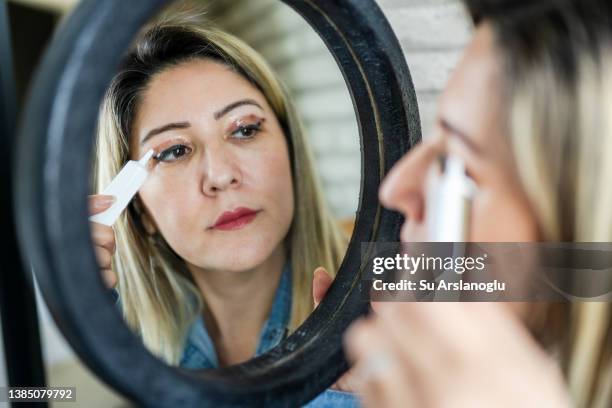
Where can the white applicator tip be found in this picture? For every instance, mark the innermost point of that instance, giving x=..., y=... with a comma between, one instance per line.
x=145, y=159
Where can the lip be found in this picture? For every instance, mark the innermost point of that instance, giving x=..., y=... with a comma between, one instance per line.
x=236, y=219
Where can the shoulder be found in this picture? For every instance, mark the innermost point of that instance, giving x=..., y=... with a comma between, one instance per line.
x=334, y=399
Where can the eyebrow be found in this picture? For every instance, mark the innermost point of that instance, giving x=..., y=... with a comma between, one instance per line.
x=460, y=134
x=217, y=115
x=183, y=125
x=165, y=128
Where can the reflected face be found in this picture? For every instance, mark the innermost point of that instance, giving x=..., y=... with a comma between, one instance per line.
x=220, y=190
x=470, y=124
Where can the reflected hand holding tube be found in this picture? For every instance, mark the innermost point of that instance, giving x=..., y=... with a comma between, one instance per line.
x=106, y=208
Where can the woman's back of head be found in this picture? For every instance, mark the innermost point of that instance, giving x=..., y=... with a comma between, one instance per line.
x=557, y=91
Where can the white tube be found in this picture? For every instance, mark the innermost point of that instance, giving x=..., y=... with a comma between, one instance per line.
x=124, y=186
x=450, y=203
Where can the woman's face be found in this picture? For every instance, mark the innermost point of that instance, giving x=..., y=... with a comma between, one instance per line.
x=220, y=190
x=470, y=124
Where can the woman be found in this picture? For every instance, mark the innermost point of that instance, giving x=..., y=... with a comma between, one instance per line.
x=528, y=109
x=215, y=256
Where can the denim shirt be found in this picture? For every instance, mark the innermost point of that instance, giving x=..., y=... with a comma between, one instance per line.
x=199, y=351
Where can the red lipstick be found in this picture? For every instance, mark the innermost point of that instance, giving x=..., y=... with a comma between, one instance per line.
x=233, y=220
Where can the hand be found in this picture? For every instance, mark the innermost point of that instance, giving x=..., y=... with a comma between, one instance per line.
x=103, y=238
x=320, y=284
x=451, y=354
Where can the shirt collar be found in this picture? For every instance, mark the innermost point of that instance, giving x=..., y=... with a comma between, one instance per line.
x=199, y=351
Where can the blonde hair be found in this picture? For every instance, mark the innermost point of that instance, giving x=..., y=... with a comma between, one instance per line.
x=557, y=60
x=158, y=296
x=565, y=154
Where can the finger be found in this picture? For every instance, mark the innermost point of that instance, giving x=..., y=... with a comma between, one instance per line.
x=109, y=278
x=420, y=321
x=352, y=340
x=447, y=336
x=377, y=376
x=414, y=350
x=320, y=284
x=446, y=322
x=99, y=202
x=103, y=256
x=344, y=383
x=104, y=236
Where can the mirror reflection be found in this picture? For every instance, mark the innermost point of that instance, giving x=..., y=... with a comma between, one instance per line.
x=249, y=198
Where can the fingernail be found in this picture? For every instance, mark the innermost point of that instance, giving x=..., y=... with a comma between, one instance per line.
x=105, y=201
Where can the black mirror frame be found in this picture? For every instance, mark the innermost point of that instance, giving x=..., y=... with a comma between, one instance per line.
x=53, y=163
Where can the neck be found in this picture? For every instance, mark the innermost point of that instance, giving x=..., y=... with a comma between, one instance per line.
x=238, y=304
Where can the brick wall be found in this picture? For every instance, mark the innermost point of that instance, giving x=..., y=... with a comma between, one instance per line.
x=432, y=34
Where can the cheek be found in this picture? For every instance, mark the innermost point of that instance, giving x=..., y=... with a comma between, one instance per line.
x=167, y=207
x=502, y=217
x=270, y=172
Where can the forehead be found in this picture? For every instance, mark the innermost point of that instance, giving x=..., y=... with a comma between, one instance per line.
x=197, y=87
x=471, y=100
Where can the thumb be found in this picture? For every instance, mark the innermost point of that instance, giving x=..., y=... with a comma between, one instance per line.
x=99, y=202
x=321, y=281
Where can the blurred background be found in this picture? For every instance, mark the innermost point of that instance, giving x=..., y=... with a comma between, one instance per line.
x=432, y=34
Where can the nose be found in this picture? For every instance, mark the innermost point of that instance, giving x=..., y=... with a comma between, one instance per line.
x=221, y=172
x=404, y=187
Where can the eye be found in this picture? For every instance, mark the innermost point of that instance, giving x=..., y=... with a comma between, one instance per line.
x=247, y=131
x=173, y=153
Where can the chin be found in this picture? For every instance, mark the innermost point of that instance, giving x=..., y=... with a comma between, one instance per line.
x=240, y=256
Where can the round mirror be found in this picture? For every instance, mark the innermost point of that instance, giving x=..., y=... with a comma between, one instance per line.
x=253, y=182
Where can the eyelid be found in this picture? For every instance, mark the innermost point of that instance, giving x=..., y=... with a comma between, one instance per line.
x=462, y=136
x=244, y=120
x=169, y=142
